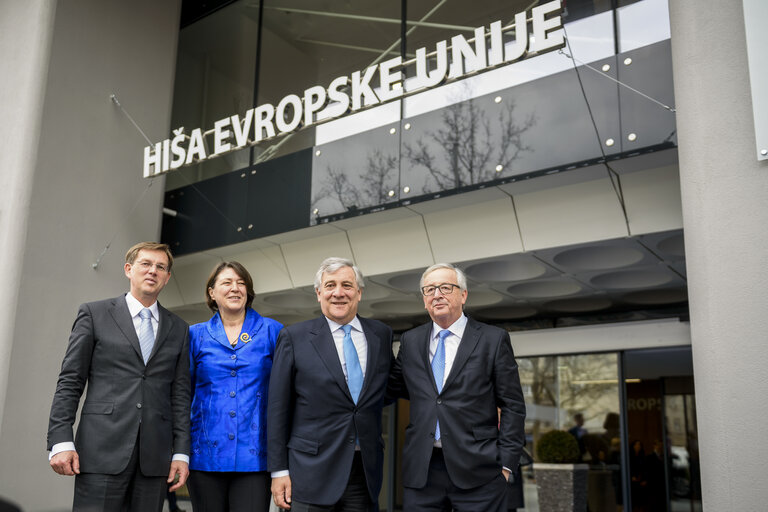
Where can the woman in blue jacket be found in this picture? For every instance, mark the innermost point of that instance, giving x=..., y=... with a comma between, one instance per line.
x=230, y=358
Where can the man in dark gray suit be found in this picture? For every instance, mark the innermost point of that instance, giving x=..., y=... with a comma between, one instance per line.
x=133, y=436
x=326, y=393
x=459, y=451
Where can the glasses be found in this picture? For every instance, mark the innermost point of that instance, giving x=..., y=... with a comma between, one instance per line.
x=445, y=289
x=146, y=266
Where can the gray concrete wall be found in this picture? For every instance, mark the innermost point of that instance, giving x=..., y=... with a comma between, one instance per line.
x=25, y=36
x=85, y=188
x=724, y=194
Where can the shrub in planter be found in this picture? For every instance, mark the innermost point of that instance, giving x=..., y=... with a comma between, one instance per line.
x=562, y=483
x=558, y=447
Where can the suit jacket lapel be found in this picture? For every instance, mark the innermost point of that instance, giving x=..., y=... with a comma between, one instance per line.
x=425, y=338
x=163, y=328
x=373, y=342
x=122, y=318
x=322, y=340
x=466, y=347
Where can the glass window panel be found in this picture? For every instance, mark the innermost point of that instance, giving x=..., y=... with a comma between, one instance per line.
x=310, y=43
x=521, y=117
x=556, y=389
x=215, y=70
x=355, y=172
x=642, y=23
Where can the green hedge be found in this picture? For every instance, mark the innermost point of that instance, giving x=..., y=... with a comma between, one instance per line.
x=558, y=447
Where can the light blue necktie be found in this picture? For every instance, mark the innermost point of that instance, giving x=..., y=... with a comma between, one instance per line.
x=438, y=369
x=146, y=334
x=354, y=371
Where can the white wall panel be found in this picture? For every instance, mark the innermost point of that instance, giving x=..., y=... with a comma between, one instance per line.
x=391, y=246
x=304, y=256
x=573, y=214
x=653, y=200
x=476, y=231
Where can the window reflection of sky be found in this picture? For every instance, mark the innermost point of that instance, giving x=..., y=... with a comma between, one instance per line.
x=591, y=39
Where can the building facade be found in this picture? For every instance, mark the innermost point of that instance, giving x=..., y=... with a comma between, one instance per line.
x=590, y=164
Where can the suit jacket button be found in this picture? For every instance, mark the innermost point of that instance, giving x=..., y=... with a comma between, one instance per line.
x=231, y=437
x=233, y=373
x=232, y=413
x=232, y=394
x=351, y=440
x=138, y=405
x=439, y=401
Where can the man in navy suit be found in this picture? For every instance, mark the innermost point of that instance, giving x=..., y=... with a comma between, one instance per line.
x=459, y=452
x=326, y=393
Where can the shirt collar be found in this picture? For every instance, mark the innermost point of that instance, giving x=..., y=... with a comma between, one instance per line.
x=456, y=328
x=355, y=323
x=134, y=306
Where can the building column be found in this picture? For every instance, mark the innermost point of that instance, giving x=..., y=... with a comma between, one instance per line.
x=725, y=217
x=26, y=29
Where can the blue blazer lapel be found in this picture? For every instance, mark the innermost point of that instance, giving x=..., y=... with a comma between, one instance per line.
x=216, y=330
x=322, y=339
x=466, y=347
x=122, y=317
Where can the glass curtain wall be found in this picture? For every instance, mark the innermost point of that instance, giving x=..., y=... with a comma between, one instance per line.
x=215, y=78
x=579, y=394
x=527, y=116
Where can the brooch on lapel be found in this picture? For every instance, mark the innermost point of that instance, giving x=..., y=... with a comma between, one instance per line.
x=245, y=338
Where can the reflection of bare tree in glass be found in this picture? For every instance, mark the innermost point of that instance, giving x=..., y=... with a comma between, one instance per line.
x=588, y=385
x=379, y=178
x=470, y=152
x=337, y=186
x=542, y=388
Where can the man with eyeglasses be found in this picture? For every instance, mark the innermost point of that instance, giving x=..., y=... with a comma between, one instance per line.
x=132, y=441
x=458, y=452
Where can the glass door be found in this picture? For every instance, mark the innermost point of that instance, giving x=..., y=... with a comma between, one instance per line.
x=661, y=431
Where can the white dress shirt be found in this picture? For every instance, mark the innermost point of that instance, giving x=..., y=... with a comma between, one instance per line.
x=134, y=308
x=451, y=342
x=358, y=338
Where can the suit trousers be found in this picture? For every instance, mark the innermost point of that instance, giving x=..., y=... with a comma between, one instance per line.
x=440, y=495
x=355, y=498
x=229, y=491
x=128, y=491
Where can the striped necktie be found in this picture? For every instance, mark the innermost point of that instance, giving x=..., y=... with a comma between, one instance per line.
x=146, y=334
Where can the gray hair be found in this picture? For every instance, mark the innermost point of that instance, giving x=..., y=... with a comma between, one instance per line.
x=461, y=278
x=331, y=265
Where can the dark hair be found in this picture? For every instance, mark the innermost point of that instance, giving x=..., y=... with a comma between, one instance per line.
x=133, y=252
x=240, y=271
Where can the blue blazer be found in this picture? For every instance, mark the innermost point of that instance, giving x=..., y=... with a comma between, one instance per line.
x=313, y=421
x=229, y=394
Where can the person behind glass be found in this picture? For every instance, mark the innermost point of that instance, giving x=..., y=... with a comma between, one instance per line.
x=230, y=363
